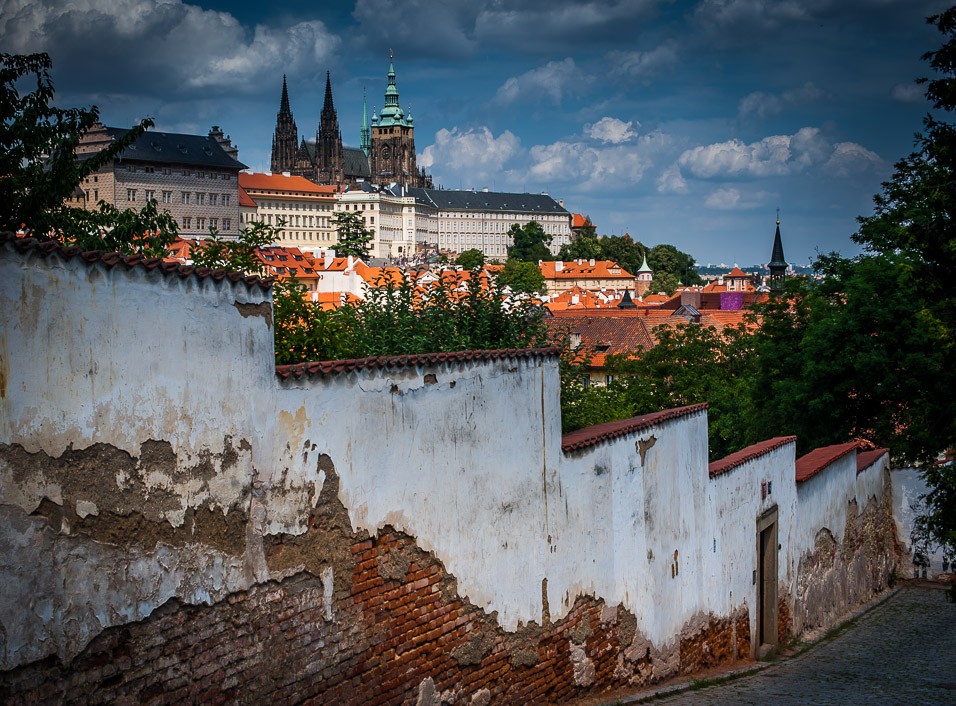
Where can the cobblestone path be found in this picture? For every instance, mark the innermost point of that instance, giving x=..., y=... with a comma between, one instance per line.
x=901, y=652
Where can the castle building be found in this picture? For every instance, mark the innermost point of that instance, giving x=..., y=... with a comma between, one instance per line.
x=387, y=146
x=303, y=208
x=194, y=178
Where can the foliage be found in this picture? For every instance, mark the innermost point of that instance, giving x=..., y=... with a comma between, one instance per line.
x=584, y=246
x=668, y=259
x=401, y=319
x=353, y=237
x=530, y=243
x=470, y=259
x=39, y=171
x=237, y=254
x=521, y=276
x=303, y=330
x=664, y=282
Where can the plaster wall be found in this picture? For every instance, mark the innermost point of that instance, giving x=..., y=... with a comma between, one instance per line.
x=737, y=501
x=148, y=451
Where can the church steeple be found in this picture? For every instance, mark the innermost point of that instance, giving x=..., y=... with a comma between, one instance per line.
x=777, y=264
x=285, y=139
x=391, y=114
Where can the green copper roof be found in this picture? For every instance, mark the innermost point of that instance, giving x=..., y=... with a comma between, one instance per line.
x=365, y=133
x=391, y=115
x=644, y=265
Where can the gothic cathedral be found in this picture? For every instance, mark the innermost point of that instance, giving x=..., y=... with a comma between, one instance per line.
x=386, y=155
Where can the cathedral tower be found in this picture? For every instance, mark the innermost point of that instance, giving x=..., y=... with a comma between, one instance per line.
x=329, y=156
x=392, y=153
x=286, y=138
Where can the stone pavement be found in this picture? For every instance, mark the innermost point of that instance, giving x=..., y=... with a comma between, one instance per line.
x=901, y=652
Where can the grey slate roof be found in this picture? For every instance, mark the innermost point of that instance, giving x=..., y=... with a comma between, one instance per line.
x=356, y=163
x=449, y=200
x=174, y=148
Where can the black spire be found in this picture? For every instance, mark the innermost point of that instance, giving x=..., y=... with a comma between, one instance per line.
x=330, y=156
x=777, y=264
x=286, y=135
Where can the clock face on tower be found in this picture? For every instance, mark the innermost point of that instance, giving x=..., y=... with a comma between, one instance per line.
x=386, y=152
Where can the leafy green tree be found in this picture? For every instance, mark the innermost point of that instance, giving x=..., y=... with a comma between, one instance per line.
x=668, y=259
x=664, y=282
x=353, y=237
x=624, y=251
x=584, y=246
x=236, y=254
x=521, y=277
x=39, y=170
x=470, y=259
x=530, y=243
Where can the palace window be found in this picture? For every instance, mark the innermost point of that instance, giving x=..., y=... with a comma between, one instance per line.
x=131, y=194
x=167, y=197
x=185, y=197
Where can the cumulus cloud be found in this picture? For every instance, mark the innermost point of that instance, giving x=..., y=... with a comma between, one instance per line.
x=723, y=199
x=671, y=181
x=163, y=43
x=552, y=81
x=908, y=93
x=772, y=156
x=849, y=157
x=763, y=105
x=643, y=65
x=585, y=165
x=612, y=130
x=476, y=152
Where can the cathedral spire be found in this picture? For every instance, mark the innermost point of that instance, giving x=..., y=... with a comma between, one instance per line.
x=328, y=105
x=391, y=114
x=286, y=135
x=365, y=133
x=284, y=104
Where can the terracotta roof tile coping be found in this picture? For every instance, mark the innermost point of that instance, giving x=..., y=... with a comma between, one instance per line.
x=812, y=463
x=112, y=259
x=594, y=435
x=739, y=458
x=331, y=367
x=865, y=459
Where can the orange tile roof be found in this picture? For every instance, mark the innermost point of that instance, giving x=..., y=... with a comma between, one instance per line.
x=583, y=269
x=280, y=182
x=593, y=435
x=244, y=198
x=812, y=463
x=283, y=262
x=738, y=458
x=736, y=273
x=578, y=221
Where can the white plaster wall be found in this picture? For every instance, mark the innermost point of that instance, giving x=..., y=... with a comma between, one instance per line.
x=120, y=357
x=464, y=457
x=908, y=486
x=737, y=503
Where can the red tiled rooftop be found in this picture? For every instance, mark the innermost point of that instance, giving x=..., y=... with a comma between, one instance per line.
x=865, y=459
x=738, y=458
x=331, y=367
x=280, y=182
x=593, y=435
x=812, y=463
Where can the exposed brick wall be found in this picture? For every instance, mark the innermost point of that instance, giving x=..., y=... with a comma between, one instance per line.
x=395, y=626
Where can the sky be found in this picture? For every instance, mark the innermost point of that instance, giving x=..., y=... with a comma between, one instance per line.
x=681, y=122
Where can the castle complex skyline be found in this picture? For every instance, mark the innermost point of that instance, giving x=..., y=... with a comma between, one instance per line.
x=686, y=122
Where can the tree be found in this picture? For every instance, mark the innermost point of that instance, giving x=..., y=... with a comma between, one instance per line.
x=530, y=242
x=664, y=282
x=624, y=251
x=668, y=259
x=239, y=254
x=39, y=170
x=584, y=246
x=354, y=238
x=521, y=276
x=470, y=259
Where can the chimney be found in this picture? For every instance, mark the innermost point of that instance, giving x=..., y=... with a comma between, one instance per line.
x=558, y=266
x=224, y=141
x=350, y=263
x=591, y=262
x=327, y=258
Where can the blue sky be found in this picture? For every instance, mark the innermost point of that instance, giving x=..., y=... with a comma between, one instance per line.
x=679, y=122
